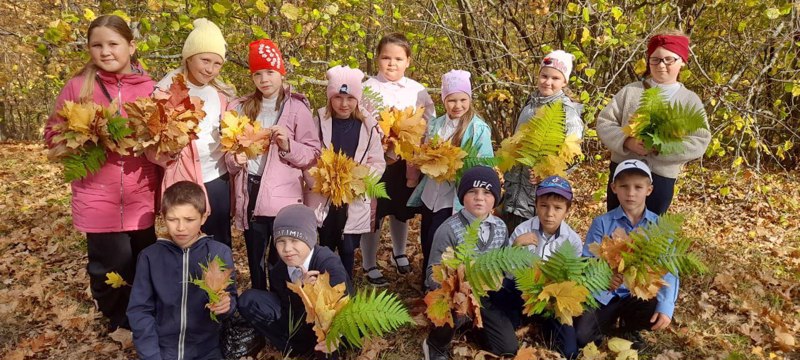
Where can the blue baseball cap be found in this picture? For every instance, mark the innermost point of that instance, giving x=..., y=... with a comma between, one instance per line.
x=555, y=185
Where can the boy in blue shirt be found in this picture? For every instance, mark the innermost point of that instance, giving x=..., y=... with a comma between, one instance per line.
x=632, y=183
x=169, y=316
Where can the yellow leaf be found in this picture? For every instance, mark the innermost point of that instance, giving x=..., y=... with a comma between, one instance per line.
x=590, y=352
x=115, y=280
x=629, y=354
x=640, y=67
x=338, y=177
x=403, y=129
x=440, y=160
x=569, y=298
x=618, y=345
x=322, y=302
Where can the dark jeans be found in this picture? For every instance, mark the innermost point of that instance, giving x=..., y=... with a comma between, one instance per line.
x=257, y=237
x=263, y=310
x=497, y=333
x=633, y=312
x=658, y=201
x=115, y=252
x=430, y=223
x=218, y=223
x=331, y=234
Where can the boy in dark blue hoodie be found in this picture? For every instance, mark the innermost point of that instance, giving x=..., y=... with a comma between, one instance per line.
x=275, y=312
x=170, y=317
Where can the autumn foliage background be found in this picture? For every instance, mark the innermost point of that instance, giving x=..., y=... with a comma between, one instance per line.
x=741, y=200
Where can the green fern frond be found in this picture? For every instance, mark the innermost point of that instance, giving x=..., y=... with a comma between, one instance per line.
x=368, y=314
x=544, y=135
x=372, y=102
x=87, y=161
x=563, y=265
x=472, y=160
x=465, y=251
x=486, y=273
x=662, y=125
x=596, y=278
x=661, y=245
x=373, y=188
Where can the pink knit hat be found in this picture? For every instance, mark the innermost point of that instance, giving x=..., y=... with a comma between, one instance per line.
x=456, y=81
x=344, y=80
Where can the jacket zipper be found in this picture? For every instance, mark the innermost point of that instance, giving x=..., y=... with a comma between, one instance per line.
x=122, y=167
x=184, y=296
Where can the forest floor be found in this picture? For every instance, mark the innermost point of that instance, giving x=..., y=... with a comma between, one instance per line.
x=746, y=226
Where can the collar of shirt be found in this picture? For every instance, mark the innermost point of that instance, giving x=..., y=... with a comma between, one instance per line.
x=306, y=263
x=401, y=83
x=618, y=214
x=537, y=225
x=485, y=222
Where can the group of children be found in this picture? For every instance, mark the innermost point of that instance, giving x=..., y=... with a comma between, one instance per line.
x=291, y=233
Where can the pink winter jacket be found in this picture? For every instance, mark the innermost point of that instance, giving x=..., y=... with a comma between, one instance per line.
x=121, y=195
x=360, y=212
x=282, y=180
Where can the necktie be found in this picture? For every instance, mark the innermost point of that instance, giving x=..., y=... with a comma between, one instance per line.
x=297, y=274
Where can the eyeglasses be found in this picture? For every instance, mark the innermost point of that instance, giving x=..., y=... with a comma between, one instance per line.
x=669, y=60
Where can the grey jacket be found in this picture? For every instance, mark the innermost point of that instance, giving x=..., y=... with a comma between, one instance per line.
x=520, y=193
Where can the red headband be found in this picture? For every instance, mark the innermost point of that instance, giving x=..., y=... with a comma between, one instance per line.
x=676, y=43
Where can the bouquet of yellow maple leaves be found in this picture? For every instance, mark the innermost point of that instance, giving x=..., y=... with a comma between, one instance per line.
x=402, y=129
x=466, y=276
x=215, y=279
x=541, y=144
x=336, y=315
x=341, y=179
x=167, y=121
x=439, y=160
x=240, y=134
x=562, y=286
x=89, y=130
x=648, y=253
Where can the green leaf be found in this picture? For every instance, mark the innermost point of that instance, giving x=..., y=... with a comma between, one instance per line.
x=87, y=161
x=290, y=11
x=369, y=313
x=374, y=188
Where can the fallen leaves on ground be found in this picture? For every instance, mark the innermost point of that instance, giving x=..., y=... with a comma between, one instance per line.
x=749, y=294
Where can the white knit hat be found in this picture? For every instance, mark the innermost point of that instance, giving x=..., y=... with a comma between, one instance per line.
x=561, y=61
x=205, y=38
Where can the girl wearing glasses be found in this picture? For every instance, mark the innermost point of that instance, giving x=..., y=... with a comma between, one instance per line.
x=667, y=53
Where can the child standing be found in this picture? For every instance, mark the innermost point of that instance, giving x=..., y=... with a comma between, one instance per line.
x=114, y=206
x=170, y=316
x=202, y=160
x=479, y=191
x=271, y=181
x=344, y=128
x=300, y=260
x=632, y=183
x=543, y=235
x=394, y=57
x=554, y=73
x=667, y=53
x=461, y=126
